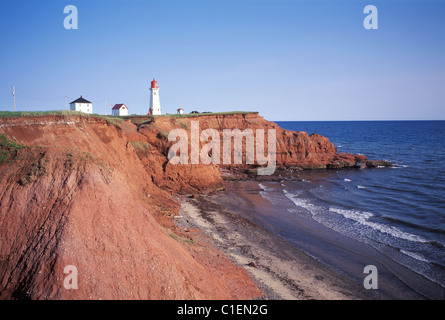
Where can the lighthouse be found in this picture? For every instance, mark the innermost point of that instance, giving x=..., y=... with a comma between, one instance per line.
x=155, y=103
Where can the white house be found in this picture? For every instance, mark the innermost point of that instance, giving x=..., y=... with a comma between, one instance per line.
x=119, y=110
x=180, y=111
x=81, y=105
x=155, y=103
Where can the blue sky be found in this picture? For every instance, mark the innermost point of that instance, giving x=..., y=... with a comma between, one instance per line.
x=289, y=60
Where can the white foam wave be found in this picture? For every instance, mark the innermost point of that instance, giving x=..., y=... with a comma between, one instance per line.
x=361, y=187
x=414, y=255
x=266, y=196
x=262, y=186
x=396, y=166
x=363, y=219
x=300, y=202
x=347, y=180
x=356, y=215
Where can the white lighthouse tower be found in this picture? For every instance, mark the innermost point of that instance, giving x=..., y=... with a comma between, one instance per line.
x=155, y=103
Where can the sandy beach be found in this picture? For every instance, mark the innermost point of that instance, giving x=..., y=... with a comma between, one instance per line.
x=281, y=270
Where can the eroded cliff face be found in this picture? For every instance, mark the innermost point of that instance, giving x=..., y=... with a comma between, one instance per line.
x=294, y=149
x=79, y=195
x=97, y=195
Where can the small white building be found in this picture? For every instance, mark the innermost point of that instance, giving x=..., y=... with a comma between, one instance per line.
x=119, y=110
x=180, y=111
x=81, y=105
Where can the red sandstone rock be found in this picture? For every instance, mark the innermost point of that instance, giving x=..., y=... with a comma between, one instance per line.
x=293, y=148
x=96, y=195
x=84, y=199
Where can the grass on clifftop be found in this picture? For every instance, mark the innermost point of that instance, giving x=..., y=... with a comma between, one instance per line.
x=186, y=115
x=4, y=114
x=116, y=120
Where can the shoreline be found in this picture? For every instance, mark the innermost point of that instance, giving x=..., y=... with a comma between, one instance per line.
x=290, y=257
x=281, y=270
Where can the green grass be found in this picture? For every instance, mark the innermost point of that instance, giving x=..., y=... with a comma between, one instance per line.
x=113, y=119
x=188, y=115
x=4, y=114
x=67, y=113
x=179, y=238
x=116, y=120
x=36, y=170
x=8, y=148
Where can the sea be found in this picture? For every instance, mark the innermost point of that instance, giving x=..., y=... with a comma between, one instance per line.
x=395, y=216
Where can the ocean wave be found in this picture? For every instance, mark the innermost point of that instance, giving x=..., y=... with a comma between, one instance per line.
x=417, y=226
x=347, y=180
x=414, y=255
x=265, y=195
x=300, y=202
x=363, y=219
x=397, y=165
x=270, y=194
x=360, y=216
x=437, y=244
x=361, y=187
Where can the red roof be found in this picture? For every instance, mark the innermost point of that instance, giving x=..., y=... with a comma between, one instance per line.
x=118, y=106
x=179, y=109
x=154, y=84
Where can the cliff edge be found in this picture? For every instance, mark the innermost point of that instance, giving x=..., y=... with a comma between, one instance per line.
x=98, y=194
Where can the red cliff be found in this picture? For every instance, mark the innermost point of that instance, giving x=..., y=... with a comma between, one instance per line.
x=91, y=192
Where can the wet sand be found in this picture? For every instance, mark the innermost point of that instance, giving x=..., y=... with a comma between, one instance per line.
x=281, y=270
